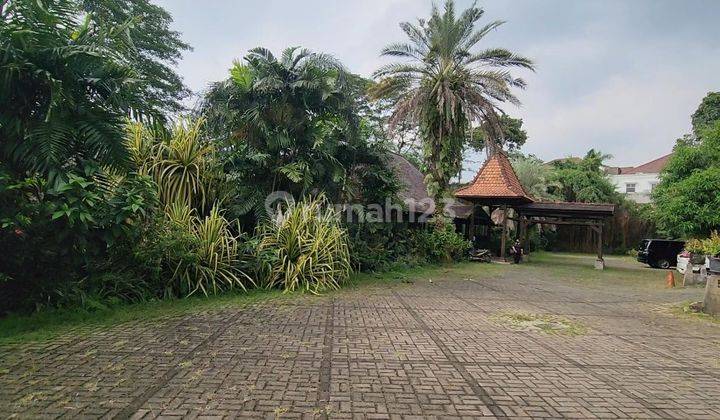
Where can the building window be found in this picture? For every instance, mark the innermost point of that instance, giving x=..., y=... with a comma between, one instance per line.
x=630, y=187
x=652, y=186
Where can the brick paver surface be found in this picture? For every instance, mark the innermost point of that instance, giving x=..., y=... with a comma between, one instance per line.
x=401, y=350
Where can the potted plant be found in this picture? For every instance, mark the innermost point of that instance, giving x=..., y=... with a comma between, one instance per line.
x=697, y=251
x=711, y=248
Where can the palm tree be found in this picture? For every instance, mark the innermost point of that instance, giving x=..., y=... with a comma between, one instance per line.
x=67, y=86
x=536, y=177
x=289, y=123
x=442, y=86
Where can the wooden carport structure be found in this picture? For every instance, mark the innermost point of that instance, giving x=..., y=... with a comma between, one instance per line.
x=496, y=185
x=592, y=215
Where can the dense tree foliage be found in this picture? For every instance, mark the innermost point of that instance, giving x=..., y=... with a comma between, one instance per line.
x=687, y=198
x=157, y=48
x=707, y=114
x=103, y=201
x=514, y=136
x=68, y=84
x=584, y=181
x=292, y=124
x=71, y=203
x=442, y=85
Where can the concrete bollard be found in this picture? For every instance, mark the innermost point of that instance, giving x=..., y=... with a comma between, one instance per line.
x=692, y=278
x=711, y=303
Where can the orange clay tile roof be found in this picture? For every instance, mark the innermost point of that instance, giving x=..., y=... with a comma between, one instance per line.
x=496, y=179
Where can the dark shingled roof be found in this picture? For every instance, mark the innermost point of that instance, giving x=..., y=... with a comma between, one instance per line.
x=413, y=181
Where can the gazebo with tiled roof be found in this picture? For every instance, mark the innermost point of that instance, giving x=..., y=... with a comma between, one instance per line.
x=496, y=185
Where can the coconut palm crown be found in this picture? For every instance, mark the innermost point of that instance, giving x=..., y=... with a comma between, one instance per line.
x=442, y=85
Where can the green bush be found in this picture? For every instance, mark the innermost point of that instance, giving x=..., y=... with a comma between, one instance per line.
x=711, y=245
x=305, y=249
x=442, y=245
x=694, y=246
x=381, y=246
x=54, y=239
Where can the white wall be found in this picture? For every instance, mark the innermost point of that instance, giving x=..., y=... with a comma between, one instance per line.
x=643, y=185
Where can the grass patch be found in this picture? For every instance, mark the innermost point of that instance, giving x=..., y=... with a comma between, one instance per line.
x=547, y=324
x=573, y=268
x=620, y=271
x=686, y=310
x=48, y=324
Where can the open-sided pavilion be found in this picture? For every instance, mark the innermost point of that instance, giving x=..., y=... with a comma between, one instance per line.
x=496, y=186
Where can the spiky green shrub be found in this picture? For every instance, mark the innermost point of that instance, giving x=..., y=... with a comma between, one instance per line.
x=181, y=165
x=304, y=249
x=209, y=265
x=184, y=167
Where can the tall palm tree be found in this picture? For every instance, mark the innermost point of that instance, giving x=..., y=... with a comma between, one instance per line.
x=443, y=86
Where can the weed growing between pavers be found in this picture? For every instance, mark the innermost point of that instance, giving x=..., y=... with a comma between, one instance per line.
x=686, y=310
x=542, y=323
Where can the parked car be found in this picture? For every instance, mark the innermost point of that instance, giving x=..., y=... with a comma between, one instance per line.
x=683, y=259
x=659, y=253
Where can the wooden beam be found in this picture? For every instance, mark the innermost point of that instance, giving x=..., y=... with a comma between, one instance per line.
x=564, y=222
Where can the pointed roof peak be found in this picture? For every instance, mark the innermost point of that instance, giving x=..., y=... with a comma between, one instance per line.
x=496, y=180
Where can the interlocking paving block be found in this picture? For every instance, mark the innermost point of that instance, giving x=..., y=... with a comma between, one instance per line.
x=605, y=350
x=384, y=345
x=269, y=342
x=438, y=302
x=410, y=349
x=498, y=347
x=245, y=387
x=454, y=320
x=678, y=393
x=350, y=316
x=691, y=353
x=408, y=388
x=557, y=391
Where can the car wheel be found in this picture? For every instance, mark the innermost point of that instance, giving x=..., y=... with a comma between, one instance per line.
x=663, y=264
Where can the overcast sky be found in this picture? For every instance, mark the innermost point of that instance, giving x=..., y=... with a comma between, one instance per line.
x=619, y=76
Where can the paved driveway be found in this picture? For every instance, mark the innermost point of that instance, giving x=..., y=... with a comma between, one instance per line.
x=406, y=349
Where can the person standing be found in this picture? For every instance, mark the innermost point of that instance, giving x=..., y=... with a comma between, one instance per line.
x=517, y=252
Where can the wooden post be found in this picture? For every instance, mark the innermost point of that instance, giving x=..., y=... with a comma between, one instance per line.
x=524, y=235
x=600, y=262
x=503, y=238
x=471, y=226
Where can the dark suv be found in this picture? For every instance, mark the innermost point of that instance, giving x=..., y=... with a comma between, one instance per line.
x=659, y=253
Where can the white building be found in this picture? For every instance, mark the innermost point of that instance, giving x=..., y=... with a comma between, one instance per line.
x=637, y=183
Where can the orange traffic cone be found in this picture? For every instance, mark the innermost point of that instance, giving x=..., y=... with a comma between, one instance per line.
x=670, y=279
